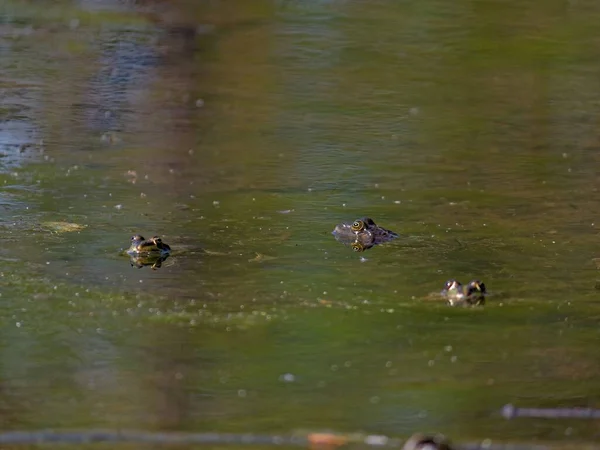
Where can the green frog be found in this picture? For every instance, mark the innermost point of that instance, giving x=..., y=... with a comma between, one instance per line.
x=148, y=252
x=420, y=441
x=142, y=246
x=458, y=295
x=362, y=234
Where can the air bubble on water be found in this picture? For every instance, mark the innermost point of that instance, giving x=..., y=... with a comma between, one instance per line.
x=199, y=103
x=448, y=348
x=454, y=358
x=119, y=206
x=430, y=363
x=18, y=324
x=388, y=364
x=287, y=378
x=242, y=393
x=376, y=440
x=375, y=399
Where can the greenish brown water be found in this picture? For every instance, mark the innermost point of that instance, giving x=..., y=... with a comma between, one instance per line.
x=240, y=128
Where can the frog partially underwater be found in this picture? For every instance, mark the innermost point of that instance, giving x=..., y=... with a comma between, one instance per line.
x=362, y=234
x=148, y=252
x=420, y=441
x=464, y=295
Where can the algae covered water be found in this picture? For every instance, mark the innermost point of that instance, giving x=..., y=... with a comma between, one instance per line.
x=241, y=133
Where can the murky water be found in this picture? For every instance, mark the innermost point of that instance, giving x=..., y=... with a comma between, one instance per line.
x=242, y=132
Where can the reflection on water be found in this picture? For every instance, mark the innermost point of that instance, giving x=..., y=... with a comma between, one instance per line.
x=241, y=133
x=154, y=261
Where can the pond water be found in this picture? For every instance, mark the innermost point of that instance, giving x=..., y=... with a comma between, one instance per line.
x=242, y=133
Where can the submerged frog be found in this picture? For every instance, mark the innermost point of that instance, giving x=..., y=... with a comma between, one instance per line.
x=362, y=234
x=420, y=441
x=148, y=252
x=458, y=295
x=139, y=245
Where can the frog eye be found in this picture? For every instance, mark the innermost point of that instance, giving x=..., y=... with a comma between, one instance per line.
x=357, y=246
x=477, y=285
x=451, y=284
x=358, y=225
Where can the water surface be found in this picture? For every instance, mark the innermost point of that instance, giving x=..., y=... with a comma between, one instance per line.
x=242, y=133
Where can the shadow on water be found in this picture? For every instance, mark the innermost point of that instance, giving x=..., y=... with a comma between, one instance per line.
x=241, y=133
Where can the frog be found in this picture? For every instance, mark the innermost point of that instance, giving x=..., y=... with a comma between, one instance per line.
x=457, y=294
x=362, y=234
x=148, y=252
x=140, y=245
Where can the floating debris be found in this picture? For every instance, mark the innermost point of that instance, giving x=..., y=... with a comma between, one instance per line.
x=63, y=227
x=260, y=257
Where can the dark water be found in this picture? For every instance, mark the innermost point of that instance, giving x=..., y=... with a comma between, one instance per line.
x=242, y=132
